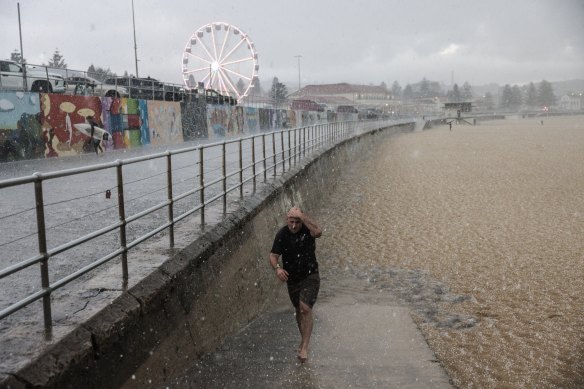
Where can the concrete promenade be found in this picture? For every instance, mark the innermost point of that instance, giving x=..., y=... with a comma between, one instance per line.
x=361, y=339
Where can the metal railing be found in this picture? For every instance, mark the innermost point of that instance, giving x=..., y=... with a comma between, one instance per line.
x=191, y=179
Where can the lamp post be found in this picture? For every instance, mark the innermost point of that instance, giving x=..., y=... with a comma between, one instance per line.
x=298, y=57
x=135, y=45
x=24, y=82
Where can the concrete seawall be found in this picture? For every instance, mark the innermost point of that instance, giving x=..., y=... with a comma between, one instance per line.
x=208, y=290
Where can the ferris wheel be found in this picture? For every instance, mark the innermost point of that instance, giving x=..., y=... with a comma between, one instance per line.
x=223, y=58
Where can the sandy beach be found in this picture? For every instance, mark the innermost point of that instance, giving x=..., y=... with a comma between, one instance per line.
x=480, y=230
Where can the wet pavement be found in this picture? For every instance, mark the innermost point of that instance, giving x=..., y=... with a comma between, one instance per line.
x=361, y=339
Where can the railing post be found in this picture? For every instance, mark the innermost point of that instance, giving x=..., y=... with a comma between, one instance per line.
x=224, y=172
x=42, y=240
x=253, y=162
x=240, y=169
x=289, y=150
x=170, y=201
x=274, y=151
x=304, y=142
x=202, y=184
x=295, y=145
x=264, y=156
x=334, y=133
x=283, y=152
x=122, y=215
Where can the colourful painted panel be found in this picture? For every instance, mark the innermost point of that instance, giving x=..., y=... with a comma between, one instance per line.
x=60, y=113
x=194, y=120
x=290, y=121
x=132, y=138
x=118, y=140
x=237, y=122
x=218, y=121
x=13, y=105
x=144, y=125
x=165, y=123
x=252, y=120
x=130, y=106
x=134, y=122
x=265, y=119
x=20, y=127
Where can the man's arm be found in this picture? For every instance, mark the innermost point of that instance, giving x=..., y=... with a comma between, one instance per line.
x=274, y=261
x=280, y=273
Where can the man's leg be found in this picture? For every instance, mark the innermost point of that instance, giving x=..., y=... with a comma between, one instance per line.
x=299, y=323
x=305, y=330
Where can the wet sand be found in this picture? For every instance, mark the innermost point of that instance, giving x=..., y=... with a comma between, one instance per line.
x=480, y=231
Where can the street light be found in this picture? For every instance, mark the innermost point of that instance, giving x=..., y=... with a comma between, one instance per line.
x=298, y=57
x=135, y=45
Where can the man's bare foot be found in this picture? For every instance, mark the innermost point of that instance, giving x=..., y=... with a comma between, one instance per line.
x=302, y=356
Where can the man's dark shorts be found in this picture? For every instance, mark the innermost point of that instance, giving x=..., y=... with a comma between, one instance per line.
x=305, y=290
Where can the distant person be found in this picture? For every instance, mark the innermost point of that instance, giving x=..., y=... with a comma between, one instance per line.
x=541, y=122
x=450, y=125
x=296, y=243
x=94, y=141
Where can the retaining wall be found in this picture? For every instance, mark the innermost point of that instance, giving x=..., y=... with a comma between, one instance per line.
x=210, y=289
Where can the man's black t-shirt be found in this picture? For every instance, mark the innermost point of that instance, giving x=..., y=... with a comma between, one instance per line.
x=298, y=252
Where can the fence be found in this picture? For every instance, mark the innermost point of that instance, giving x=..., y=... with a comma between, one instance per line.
x=178, y=183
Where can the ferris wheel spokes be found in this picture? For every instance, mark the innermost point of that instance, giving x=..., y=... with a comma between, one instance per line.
x=223, y=86
x=214, y=43
x=200, y=58
x=237, y=61
x=232, y=50
x=224, y=41
x=216, y=55
x=233, y=87
x=237, y=74
x=206, y=68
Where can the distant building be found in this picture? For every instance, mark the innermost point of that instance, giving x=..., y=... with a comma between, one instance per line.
x=306, y=105
x=572, y=102
x=343, y=94
x=456, y=109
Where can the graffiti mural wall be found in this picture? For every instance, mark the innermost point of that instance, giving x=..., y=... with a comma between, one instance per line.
x=59, y=114
x=252, y=120
x=36, y=125
x=165, y=124
x=20, y=126
x=194, y=120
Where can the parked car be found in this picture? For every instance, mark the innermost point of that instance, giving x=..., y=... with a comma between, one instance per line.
x=88, y=86
x=13, y=77
x=174, y=92
x=214, y=97
x=139, y=88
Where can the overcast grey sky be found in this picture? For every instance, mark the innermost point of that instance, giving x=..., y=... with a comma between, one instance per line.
x=365, y=42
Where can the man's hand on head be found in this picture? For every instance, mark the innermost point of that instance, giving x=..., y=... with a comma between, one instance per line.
x=295, y=212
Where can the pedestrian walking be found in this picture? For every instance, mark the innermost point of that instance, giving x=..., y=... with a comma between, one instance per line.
x=296, y=244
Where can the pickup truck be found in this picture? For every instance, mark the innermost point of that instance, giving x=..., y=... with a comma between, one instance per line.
x=12, y=78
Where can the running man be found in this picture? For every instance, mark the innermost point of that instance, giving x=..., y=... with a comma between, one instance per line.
x=296, y=243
